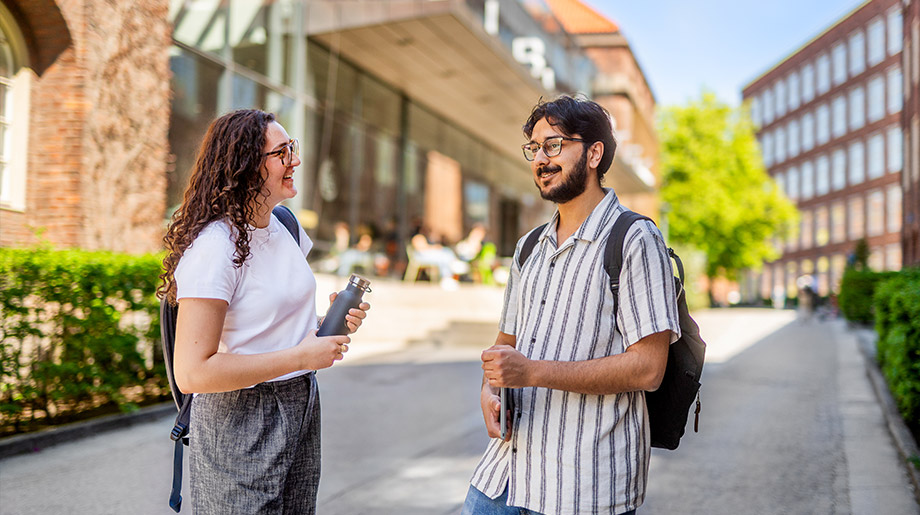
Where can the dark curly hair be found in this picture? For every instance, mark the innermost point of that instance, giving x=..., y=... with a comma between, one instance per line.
x=226, y=184
x=580, y=116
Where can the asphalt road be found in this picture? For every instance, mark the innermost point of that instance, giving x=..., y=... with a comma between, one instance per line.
x=781, y=430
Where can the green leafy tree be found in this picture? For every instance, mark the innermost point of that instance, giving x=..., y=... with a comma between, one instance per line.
x=721, y=199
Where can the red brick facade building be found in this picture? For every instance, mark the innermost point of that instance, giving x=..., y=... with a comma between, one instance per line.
x=910, y=120
x=830, y=130
x=86, y=118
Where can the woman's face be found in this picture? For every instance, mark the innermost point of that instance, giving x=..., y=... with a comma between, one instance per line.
x=279, y=182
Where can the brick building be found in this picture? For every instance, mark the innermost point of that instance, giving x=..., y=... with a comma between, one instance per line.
x=910, y=120
x=830, y=130
x=621, y=87
x=85, y=118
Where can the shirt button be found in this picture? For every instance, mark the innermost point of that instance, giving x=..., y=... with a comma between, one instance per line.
x=543, y=302
x=533, y=340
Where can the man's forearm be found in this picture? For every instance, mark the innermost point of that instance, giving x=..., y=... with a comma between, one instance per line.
x=641, y=367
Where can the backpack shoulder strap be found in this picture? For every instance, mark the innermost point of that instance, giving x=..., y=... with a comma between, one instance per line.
x=529, y=244
x=288, y=220
x=613, y=251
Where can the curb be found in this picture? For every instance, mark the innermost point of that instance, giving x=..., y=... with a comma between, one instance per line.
x=40, y=440
x=903, y=439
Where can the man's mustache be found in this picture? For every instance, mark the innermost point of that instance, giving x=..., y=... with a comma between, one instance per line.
x=547, y=169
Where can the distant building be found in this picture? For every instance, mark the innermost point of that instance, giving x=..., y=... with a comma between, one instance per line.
x=910, y=120
x=830, y=129
x=621, y=87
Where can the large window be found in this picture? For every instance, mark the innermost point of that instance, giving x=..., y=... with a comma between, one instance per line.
x=893, y=208
x=780, y=145
x=895, y=90
x=895, y=149
x=823, y=129
x=856, y=215
x=795, y=98
x=14, y=114
x=768, y=106
x=839, y=169
x=857, y=162
x=767, y=148
x=875, y=222
x=780, y=92
x=839, y=127
x=876, y=41
x=793, y=138
x=823, y=68
x=876, y=98
x=838, y=222
x=857, y=53
x=822, y=175
x=822, y=229
x=808, y=180
x=808, y=83
x=876, y=166
x=808, y=132
x=807, y=230
x=792, y=186
x=839, y=56
x=857, y=108
x=895, y=31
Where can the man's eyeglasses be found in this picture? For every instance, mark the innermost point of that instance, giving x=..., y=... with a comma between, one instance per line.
x=287, y=152
x=552, y=147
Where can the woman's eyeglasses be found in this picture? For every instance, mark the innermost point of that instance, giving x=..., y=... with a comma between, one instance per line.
x=287, y=152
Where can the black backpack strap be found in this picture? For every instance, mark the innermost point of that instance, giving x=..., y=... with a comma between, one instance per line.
x=180, y=435
x=287, y=218
x=613, y=251
x=529, y=244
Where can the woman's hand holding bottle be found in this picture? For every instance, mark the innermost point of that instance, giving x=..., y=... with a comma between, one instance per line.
x=317, y=352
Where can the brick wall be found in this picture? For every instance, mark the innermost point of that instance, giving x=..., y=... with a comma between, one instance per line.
x=98, y=132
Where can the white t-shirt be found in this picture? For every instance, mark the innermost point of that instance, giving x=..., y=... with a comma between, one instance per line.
x=271, y=298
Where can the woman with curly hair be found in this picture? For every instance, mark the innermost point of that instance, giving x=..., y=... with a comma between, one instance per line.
x=246, y=341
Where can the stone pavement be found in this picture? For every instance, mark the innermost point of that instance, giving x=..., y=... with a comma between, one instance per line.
x=424, y=325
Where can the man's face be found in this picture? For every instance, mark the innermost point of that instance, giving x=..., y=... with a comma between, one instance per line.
x=563, y=177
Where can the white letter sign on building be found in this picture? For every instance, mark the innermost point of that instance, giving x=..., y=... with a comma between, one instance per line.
x=531, y=51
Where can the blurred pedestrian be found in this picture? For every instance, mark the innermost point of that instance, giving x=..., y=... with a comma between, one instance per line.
x=246, y=341
x=579, y=439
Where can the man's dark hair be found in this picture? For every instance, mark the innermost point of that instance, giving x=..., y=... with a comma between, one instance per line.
x=583, y=117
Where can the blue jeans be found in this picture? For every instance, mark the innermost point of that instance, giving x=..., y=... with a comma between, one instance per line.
x=478, y=503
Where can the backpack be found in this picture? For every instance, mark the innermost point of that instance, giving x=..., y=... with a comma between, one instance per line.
x=669, y=405
x=168, y=314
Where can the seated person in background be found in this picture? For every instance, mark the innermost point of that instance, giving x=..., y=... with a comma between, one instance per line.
x=469, y=248
x=424, y=253
x=359, y=256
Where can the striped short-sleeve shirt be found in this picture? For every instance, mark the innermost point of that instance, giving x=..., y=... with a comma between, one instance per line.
x=573, y=453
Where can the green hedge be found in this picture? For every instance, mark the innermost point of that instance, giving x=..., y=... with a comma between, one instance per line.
x=856, y=290
x=80, y=332
x=897, y=321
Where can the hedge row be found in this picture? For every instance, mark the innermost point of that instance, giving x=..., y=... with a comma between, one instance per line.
x=897, y=320
x=80, y=332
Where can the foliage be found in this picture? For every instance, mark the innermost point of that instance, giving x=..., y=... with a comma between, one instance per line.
x=856, y=290
x=722, y=201
x=897, y=321
x=80, y=331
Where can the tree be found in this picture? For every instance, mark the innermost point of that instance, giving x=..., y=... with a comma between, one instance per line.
x=721, y=199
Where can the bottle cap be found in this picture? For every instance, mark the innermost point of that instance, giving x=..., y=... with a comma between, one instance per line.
x=360, y=282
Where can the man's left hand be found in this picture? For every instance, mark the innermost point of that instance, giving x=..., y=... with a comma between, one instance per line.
x=504, y=366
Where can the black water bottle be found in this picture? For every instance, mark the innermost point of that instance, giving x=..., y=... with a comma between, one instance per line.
x=350, y=297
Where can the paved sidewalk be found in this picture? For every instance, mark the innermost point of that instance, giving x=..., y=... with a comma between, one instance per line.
x=424, y=325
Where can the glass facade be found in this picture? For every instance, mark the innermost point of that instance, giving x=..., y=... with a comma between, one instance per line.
x=371, y=155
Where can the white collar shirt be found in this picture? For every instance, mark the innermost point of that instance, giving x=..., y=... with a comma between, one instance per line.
x=573, y=453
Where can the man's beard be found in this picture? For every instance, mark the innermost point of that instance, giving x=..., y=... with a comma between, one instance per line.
x=573, y=185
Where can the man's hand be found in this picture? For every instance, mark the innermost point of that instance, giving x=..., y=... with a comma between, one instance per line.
x=491, y=407
x=504, y=366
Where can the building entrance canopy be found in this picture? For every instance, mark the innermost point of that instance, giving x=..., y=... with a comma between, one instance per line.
x=439, y=55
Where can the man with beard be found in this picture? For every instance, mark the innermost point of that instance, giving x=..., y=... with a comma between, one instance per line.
x=579, y=437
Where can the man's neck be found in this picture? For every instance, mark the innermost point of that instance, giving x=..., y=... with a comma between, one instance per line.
x=574, y=212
